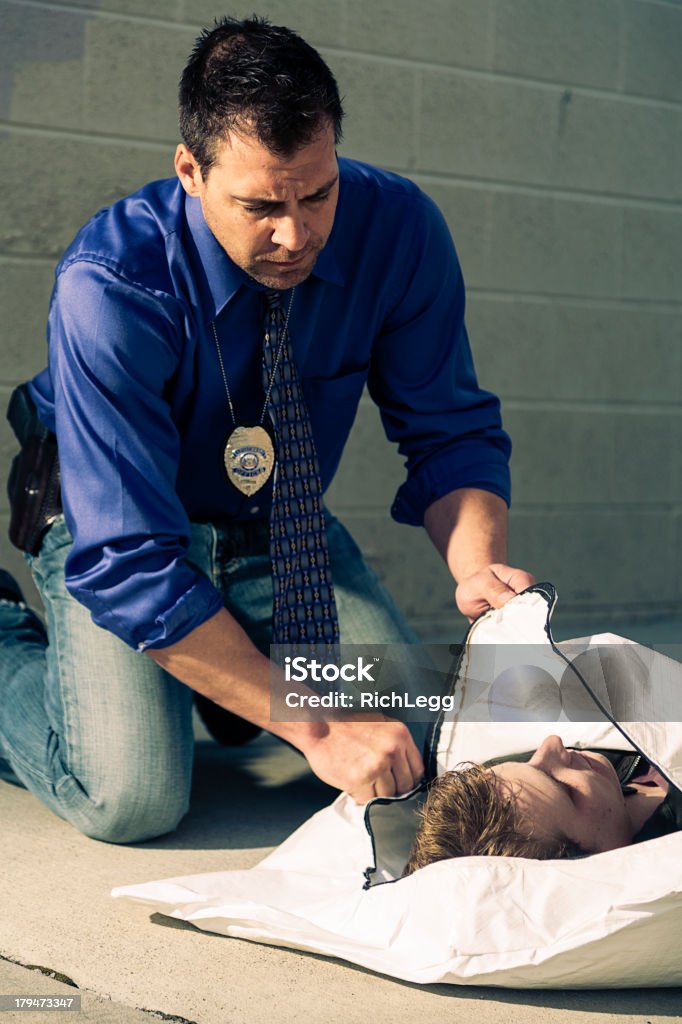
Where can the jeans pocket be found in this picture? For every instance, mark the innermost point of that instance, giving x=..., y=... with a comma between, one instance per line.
x=57, y=536
x=52, y=555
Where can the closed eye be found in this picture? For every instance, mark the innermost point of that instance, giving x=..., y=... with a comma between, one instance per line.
x=261, y=208
x=568, y=790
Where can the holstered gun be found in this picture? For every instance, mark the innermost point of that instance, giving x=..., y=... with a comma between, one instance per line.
x=33, y=487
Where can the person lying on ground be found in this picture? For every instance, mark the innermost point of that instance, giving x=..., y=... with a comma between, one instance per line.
x=555, y=802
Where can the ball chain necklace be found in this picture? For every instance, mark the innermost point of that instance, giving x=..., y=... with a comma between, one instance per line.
x=249, y=455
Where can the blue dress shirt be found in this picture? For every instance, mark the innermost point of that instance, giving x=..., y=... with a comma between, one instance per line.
x=134, y=392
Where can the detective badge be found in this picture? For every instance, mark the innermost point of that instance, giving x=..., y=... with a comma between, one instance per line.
x=249, y=455
x=249, y=458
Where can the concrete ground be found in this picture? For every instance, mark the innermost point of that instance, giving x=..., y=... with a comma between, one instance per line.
x=133, y=966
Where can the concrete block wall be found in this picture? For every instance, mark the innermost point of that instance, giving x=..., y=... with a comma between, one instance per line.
x=549, y=131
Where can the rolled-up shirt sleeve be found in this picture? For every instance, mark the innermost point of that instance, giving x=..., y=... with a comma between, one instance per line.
x=422, y=378
x=114, y=347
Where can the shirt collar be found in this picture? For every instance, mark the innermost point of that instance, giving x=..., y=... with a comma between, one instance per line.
x=223, y=275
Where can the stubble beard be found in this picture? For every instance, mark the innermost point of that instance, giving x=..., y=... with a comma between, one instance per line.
x=261, y=270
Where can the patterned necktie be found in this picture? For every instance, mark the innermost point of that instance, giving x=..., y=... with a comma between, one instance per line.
x=304, y=609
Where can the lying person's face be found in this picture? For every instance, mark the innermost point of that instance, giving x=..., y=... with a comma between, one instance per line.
x=569, y=794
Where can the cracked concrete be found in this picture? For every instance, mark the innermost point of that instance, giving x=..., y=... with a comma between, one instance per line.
x=23, y=980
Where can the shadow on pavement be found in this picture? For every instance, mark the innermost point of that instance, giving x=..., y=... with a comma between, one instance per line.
x=640, y=1003
x=246, y=797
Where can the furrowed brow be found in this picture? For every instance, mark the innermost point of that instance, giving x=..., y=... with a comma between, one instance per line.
x=324, y=188
x=254, y=201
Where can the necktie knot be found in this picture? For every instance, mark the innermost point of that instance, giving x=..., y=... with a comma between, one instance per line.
x=273, y=301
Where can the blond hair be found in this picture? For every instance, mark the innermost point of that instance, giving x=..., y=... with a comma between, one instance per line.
x=469, y=813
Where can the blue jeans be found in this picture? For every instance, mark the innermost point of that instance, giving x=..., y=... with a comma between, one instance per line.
x=99, y=732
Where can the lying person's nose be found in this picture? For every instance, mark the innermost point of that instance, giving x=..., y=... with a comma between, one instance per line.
x=550, y=752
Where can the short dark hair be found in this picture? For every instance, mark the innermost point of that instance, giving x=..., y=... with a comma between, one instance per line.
x=469, y=813
x=249, y=73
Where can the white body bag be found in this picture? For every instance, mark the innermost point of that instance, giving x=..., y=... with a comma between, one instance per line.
x=612, y=919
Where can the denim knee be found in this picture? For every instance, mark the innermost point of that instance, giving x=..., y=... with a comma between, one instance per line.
x=123, y=814
x=121, y=820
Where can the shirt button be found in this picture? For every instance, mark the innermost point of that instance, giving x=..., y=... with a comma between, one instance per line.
x=255, y=510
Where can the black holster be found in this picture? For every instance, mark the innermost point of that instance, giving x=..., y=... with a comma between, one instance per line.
x=33, y=487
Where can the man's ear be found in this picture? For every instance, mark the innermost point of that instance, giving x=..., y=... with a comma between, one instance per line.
x=188, y=171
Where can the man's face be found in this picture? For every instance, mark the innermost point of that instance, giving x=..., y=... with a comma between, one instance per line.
x=570, y=794
x=272, y=215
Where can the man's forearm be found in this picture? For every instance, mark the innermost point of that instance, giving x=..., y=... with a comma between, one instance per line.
x=366, y=754
x=469, y=529
x=219, y=660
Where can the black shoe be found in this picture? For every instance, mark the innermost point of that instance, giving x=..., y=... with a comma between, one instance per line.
x=9, y=588
x=229, y=730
